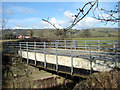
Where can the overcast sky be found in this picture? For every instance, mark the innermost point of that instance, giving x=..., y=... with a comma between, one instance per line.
x=30, y=14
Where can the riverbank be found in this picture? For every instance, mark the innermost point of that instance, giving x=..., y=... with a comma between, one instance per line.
x=18, y=74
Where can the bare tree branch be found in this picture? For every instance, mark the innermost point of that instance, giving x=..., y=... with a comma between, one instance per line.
x=78, y=18
x=4, y=22
x=82, y=13
x=110, y=15
x=50, y=23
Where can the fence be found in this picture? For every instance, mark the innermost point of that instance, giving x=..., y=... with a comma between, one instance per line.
x=88, y=49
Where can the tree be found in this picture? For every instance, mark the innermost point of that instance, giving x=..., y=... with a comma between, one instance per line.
x=110, y=14
x=77, y=18
x=86, y=33
x=82, y=13
x=9, y=36
x=3, y=23
x=31, y=33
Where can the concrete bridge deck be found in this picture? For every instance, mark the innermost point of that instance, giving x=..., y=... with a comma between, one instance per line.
x=65, y=63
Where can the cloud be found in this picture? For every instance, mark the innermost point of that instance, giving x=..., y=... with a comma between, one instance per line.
x=7, y=11
x=69, y=16
x=0, y=10
x=27, y=20
x=87, y=22
x=53, y=21
x=19, y=9
x=20, y=28
x=27, y=10
x=60, y=9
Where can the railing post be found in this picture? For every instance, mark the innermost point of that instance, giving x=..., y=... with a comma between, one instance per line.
x=65, y=44
x=90, y=59
x=56, y=45
x=44, y=55
x=27, y=52
x=98, y=45
x=115, y=51
x=114, y=42
x=85, y=45
x=20, y=50
x=74, y=45
x=6, y=47
x=35, y=52
x=71, y=60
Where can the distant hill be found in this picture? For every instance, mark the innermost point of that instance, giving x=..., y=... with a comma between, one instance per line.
x=95, y=32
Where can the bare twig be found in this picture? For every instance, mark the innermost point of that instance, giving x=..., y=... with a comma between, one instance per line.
x=50, y=23
x=4, y=22
x=110, y=15
x=78, y=18
x=82, y=13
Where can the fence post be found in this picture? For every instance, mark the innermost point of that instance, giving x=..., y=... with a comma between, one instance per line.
x=27, y=52
x=56, y=45
x=35, y=52
x=20, y=50
x=71, y=60
x=98, y=45
x=90, y=59
x=44, y=55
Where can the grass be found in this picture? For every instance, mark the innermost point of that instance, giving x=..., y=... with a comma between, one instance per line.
x=95, y=43
x=96, y=38
x=9, y=40
x=101, y=80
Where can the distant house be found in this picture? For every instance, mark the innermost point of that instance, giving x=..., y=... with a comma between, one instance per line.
x=27, y=36
x=20, y=37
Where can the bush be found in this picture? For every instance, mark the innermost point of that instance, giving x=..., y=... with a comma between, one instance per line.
x=9, y=36
x=109, y=79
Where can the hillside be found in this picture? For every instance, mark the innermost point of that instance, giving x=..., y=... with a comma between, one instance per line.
x=50, y=33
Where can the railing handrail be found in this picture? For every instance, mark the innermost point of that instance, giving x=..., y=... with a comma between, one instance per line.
x=70, y=48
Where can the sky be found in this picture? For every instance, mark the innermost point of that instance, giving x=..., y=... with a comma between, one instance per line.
x=23, y=15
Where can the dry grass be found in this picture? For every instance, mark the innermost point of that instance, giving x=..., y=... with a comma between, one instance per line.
x=109, y=79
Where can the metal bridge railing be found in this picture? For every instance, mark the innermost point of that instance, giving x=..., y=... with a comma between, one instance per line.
x=88, y=49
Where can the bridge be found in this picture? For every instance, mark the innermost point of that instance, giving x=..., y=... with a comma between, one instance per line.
x=75, y=57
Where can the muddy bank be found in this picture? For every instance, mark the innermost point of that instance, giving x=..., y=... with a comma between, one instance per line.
x=18, y=74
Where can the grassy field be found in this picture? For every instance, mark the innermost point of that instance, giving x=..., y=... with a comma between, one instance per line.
x=9, y=40
x=97, y=38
